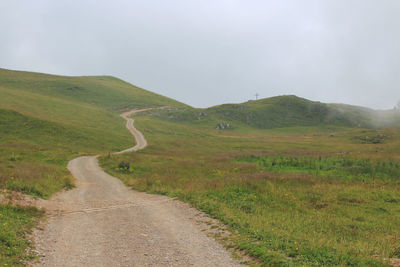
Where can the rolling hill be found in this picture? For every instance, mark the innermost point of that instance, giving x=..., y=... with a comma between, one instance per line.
x=45, y=120
x=283, y=111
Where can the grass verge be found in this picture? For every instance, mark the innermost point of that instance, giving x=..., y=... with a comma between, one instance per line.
x=15, y=224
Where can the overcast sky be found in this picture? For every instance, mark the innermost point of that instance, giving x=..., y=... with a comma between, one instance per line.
x=208, y=52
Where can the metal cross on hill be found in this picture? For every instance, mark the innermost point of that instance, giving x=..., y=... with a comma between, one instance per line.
x=257, y=95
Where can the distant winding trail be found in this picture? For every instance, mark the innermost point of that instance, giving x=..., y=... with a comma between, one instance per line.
x=104, y=223
x=140, y=140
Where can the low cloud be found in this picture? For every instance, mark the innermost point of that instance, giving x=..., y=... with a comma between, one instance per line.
x=211, y=52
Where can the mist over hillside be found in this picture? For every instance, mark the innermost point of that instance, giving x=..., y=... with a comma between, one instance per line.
x=285, y=111
x=33, y=94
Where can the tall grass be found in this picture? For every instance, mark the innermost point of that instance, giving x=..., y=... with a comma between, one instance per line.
x=334, y=166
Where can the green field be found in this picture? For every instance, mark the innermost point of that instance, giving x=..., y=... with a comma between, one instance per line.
x=298, y=196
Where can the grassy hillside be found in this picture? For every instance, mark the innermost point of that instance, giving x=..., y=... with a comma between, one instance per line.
x=298, y=196
x=283, y=111
x=82, y=101
x=46, y=120
x=101, y=91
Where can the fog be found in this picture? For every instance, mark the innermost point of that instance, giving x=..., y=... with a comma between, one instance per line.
x=208, y=52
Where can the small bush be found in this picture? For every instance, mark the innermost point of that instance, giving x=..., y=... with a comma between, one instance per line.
x=124, y=166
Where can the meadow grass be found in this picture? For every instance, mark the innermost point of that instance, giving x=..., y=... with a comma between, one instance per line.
x=332, y=166
x=34, y=152
x=341, y=213
x=15, y=224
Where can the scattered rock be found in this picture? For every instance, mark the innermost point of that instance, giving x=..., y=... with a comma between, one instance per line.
x=223, y=126
x=375, y=139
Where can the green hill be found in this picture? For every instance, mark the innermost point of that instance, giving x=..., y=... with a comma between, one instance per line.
x=47, y=96
x=283, y=111
x=45, y=120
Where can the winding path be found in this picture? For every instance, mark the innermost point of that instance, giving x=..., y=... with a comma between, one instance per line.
x=104, y=223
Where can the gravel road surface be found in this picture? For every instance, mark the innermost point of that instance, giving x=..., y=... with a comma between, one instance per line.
x=104, y=223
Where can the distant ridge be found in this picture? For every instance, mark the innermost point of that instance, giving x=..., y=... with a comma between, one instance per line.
x=288, y=111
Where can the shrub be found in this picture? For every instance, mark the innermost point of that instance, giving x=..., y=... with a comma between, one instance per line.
x=124, y=165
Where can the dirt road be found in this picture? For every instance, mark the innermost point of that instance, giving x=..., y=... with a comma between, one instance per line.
x=140, y=140
x=104, y=223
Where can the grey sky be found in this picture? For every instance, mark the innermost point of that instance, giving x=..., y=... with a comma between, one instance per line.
x=207, y=52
